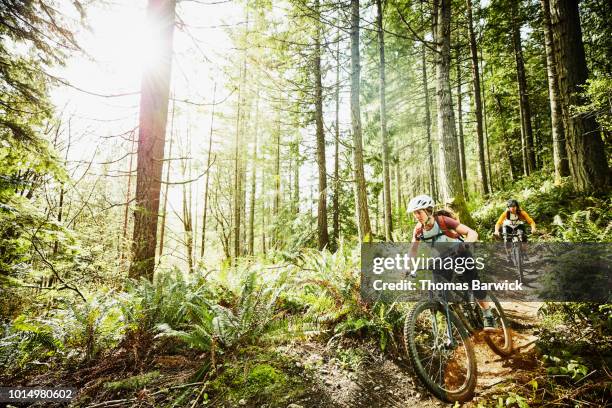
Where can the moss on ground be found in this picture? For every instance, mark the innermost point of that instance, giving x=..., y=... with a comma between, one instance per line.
x=258, y=377
x=133, y=383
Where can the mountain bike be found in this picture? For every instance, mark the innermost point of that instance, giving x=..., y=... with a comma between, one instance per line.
x=516, y=249
x=437, y=337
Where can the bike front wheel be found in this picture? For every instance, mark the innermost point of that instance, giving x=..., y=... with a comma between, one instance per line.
x=445, y=363
x=518, y=260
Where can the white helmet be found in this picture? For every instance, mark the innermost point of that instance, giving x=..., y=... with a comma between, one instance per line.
x=420, y=202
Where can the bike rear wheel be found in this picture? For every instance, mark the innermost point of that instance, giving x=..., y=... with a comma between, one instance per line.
x=500, y=339
x=446, y=365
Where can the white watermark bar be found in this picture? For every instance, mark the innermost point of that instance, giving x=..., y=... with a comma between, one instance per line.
x=513, y=271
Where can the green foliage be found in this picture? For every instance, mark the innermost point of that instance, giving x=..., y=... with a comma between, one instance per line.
x=350, y=358
x=514, y=399
x=263, y=376
x=565, y=365
x=26, y=158
x=133, y=383
x=200, y=321
x=94, y=325
x=567, y=217
x=598, y=93
x=29, y=342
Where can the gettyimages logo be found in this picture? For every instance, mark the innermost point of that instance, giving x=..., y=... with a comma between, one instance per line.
x=533, y=272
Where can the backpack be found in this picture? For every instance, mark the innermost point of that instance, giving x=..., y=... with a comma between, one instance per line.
x=439, y=217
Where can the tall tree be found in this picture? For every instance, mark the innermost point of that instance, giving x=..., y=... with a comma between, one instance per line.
x=432, y=181
x=162, y=233
x=462, y=163
x=482, y=169
x=529, y=162
x=151, y=139
x=450, y=181
x=336, y=197
x=361, y=195
x=585, y=149
x=251, y=243
x=322, y=233
x=556, y=115
x=186, y=207
x=208, y=164
x=383, y=123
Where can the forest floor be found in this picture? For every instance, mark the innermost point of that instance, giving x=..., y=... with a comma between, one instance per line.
x=352, y=373
x=383, y=381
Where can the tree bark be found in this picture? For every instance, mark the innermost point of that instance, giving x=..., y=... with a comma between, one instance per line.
x=336, y=198
x=251, y=243
x=322, y=232
x=383, y=125
x=162, y=233
x=363, y=218
x=208, y=164
x=585, y=148
x=556, y=115
x=237, y=180
x=296, y=177
x=151, y=138
x=482, y=169
x=529, y=164
x=187, y=223
x=462, y=164
x=450, y=183
x=432, y=181
x=486, y=129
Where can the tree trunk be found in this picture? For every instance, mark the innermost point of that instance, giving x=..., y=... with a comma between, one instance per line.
x=208, y=164
x=486, y=129
x=506, y=139
x=322, y=233
x=450, y=182
x=432, y=181
x=585, y=148
x=529, y=163
x=251, y=244
x=263, y=210
x=361, y=195
x=187, y=224
x=482, y=169
x=296, y=177
x=556, y=115
x=162, y=233
x=277, y=186
x=60, y=211
x=383, y=125
x=237, y=180
x=461, y=141
x=336, y=199
x=151, y=138
x=398, y=183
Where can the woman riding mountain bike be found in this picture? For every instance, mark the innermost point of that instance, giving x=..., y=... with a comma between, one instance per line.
x=438, y=330
x=440, y=227
x=511, y=220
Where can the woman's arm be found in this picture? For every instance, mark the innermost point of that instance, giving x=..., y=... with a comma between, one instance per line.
x=499, y=222
x=529, y=220
x=470, y=234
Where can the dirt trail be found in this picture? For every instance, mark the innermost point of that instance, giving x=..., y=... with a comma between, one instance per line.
x=495, y=372
x=380, y=381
